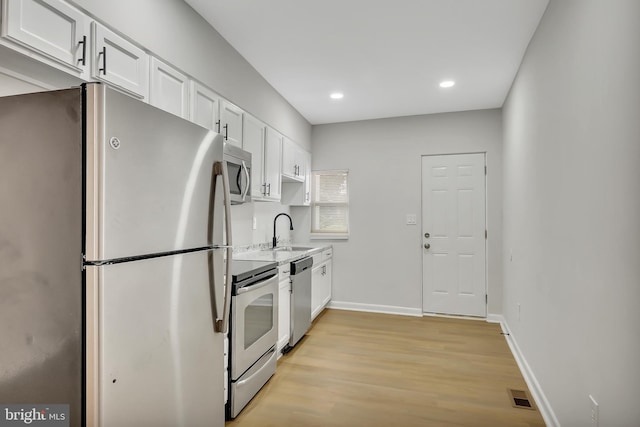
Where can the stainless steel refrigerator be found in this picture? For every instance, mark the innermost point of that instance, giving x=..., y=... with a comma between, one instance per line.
x=111, y=260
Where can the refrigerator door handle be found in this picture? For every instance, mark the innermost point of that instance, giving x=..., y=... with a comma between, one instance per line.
x=221, y=324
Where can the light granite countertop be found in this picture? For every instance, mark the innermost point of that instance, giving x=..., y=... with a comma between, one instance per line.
x=282, y=255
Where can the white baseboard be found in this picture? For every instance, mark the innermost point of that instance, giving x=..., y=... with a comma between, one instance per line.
x=544, y=406
x=495, y=318
x=374, y=308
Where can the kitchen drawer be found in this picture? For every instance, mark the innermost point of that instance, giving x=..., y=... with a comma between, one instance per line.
x=317, y=259
x=326, y=254
x=284, y=271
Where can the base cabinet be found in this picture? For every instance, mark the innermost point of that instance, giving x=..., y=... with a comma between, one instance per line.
x=321, y=283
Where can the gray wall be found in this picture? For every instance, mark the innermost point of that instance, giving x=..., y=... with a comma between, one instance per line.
x=572, y=209
x=381, y=263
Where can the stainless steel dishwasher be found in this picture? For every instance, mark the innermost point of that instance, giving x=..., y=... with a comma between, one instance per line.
x=300, y=300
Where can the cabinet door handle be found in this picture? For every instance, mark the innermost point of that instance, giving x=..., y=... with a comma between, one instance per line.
x=83, y=42
x=104, y=61
x=269, y=189
x=226, y=131
x=218, y=124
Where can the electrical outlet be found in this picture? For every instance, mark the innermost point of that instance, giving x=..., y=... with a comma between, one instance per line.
x=595, y=412
x=411, y=219
x=255, y=223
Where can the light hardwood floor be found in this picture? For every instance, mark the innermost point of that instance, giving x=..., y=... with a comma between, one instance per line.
x=365, y=369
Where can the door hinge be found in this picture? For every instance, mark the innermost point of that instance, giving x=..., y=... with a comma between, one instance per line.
x=486, y=298
x=485, y=170
x=486, y=234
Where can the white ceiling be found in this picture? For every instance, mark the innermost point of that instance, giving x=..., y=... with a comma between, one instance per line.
x=387, y=57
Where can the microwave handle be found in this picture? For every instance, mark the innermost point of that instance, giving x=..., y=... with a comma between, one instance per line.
x=246, y=190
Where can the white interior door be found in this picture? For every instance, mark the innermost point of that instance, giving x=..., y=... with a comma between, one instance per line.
x=453, y=234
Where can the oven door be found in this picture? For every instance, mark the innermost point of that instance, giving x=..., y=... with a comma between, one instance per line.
x=254, y=314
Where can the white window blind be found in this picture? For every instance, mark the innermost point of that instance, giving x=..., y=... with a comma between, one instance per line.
x=330, y=204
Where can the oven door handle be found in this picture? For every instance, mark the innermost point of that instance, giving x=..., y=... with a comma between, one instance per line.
x=220, y=168
x=259, y=285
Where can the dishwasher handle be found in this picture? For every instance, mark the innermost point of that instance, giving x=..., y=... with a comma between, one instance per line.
x=301, y=265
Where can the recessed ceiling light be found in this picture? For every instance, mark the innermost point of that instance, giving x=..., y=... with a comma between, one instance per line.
x=337, y=95
x=447, y=83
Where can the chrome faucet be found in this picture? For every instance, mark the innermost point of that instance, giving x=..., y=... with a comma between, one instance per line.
x=275, y=239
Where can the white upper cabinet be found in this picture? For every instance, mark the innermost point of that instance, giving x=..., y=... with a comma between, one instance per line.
x=293, y=158
x=205, y=107
x=119, y=62
x=253, y=141
x=231, y=118
x=52, y=28
x=169, y=89
x=272, y=166
x=296, y=193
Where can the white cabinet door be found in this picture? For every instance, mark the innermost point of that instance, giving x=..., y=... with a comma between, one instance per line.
x=169, y=89
x=253, y=141
x=272, y=158
x=306, y=200
x=284, y=314
x=205, y=105
x=119, y=62
x=51, y=27
x=316, y=291
x=288, y=159
x=298, y=193
x=292, y=161
x=321, y=283
x=325, y=294
x=231, y=117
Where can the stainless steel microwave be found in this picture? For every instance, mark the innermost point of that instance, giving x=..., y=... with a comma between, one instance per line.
x=239, y=169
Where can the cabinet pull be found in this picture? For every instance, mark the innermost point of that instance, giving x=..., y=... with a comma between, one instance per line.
x=218, y=124
x=269, y=191
x=83, y=42
x=226, y=131
x=104, y=61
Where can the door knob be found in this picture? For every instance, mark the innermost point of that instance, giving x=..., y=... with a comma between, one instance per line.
x=427, y=246
x=427, y=235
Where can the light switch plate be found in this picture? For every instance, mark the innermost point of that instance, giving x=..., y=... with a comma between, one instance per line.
x=411, y=219
x=255, y=223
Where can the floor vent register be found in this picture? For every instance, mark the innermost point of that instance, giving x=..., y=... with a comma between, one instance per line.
x=521, y=399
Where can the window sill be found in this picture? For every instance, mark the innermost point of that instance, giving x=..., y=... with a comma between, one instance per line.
x=328, y=236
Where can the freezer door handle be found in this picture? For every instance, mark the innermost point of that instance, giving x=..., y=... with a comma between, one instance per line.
x=221, y=324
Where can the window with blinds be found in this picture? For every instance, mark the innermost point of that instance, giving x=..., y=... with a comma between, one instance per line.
x=329, y=204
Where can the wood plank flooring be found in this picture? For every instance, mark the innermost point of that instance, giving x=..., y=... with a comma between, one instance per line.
x=367, y=369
